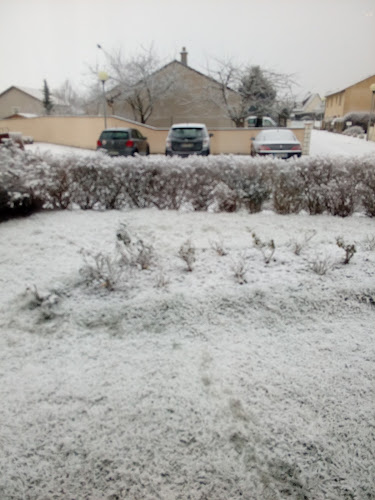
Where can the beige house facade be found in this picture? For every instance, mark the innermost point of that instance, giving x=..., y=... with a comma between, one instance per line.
x=355, y=98
x=190, y=96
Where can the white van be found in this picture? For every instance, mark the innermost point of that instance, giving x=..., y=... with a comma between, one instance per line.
x=260, y=121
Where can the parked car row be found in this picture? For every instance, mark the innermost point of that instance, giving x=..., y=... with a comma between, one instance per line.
x=186, y=139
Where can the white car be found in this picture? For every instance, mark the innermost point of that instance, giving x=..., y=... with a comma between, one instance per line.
x=279, y=142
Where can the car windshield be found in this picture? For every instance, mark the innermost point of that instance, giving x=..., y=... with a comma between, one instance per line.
x=187, y=133
x=115, y=135
x=276, y=136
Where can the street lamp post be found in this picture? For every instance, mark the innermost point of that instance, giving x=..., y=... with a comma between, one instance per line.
x=372, y=88
x=103, y=77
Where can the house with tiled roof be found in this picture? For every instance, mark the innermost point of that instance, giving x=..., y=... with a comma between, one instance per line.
x=25, y=101
x=192, y=96
x=311, y=107
x=355, y=98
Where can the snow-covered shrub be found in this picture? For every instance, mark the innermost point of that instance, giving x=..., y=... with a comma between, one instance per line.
x=366, y=188
x=59, y=188
x=299, y=245
x=187, y=254
x=240, y=268
x=287, y=194
x=341, y=194
x=165, y=186
x=111, y=187
x=200, y=184
x=267, y=248
x=224, y=198
x=44, y=302
x=85, y=185
x=21, y=183
x=104, y=270
x=357, y=118
x=368, y=244
x=219, y=248
x=321, y=265
x=314, y=175
x=249, y=181
x=354, y=131
x=112, y=270
x=349, y=249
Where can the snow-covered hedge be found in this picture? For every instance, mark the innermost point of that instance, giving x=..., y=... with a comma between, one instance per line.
x=338, y=186
x=355, y=131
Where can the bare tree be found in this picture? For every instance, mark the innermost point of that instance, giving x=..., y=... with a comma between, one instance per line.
x=136, y=81
x=69, y=98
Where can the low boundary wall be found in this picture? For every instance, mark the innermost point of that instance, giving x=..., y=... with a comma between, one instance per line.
x=84, y=131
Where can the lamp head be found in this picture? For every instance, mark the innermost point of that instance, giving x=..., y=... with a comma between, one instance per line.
x=103, y=76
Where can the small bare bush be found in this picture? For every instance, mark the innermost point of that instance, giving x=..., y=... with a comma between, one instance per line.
x=103, y=270
x=144, y=255
x=187, y=254
x=298, y=246
x=368, y=243
x=266, y=248
x=218, y=246
x=321, y=265
x=240, y=269
x=162, y=280
x=111, y=270
x=44, y=302
x=349, y=249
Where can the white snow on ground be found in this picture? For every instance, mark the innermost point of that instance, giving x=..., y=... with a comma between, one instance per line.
x=328, y=143
x=187, y=385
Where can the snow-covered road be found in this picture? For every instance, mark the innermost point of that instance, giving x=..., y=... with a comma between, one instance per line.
x=327, y=143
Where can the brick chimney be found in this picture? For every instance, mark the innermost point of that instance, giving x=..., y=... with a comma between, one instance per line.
x=184, y=55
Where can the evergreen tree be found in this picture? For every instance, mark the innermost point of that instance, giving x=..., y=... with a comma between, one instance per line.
x=47, y=101
x=257, y=91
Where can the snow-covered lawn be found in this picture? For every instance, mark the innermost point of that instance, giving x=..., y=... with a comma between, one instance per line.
x=328, y=143
x=188, y=385
x=239, y=380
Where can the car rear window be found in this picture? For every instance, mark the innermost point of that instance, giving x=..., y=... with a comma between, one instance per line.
x=187, y=133
x=276, y=135
x=115, y=135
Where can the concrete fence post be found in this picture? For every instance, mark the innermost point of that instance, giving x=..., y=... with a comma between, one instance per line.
x=307, y=138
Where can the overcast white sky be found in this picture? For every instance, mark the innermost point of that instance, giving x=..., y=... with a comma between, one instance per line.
x=327, y=44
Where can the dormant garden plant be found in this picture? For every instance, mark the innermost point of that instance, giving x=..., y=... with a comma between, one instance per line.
x=267, y=248
x=187, y=254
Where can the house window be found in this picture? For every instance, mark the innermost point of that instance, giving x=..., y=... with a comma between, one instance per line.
x=15, y=109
